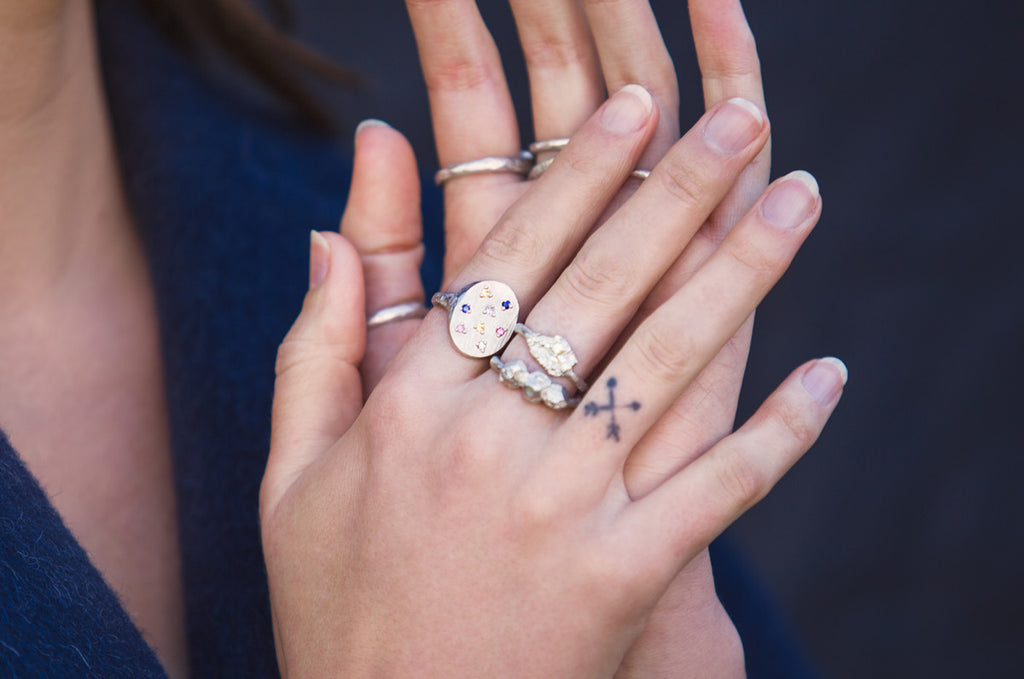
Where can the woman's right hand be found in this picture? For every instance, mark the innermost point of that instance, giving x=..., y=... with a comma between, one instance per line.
x=452, y=528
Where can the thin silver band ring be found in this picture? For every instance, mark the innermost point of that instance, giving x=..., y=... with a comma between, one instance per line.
x=546, y=145
x=396, y=312
x=519, y=164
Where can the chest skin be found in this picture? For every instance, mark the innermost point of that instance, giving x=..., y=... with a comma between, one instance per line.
x=82, y=400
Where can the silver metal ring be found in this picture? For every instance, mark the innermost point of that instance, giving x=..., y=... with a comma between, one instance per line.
x=546, y=145
x=396, y=312
x=537, y=387
x=481, y=317
x=553, y=353
x=519, y=164
x=541, y=167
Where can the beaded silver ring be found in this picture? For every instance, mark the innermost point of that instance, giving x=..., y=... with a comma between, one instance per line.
x=536, y=386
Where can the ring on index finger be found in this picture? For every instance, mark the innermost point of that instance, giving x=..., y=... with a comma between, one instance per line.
x=481, y=317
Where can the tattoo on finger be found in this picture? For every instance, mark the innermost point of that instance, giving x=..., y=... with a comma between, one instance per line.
x=593, y=409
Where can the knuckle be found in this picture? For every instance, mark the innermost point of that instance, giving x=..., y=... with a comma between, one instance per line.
x=795, y=421
x=666, y=355
x=536, y=508
x=553, y=50
x=753, y=260
x=514, y=241
x=597, y=278
x=739, y=478
x=681, y=181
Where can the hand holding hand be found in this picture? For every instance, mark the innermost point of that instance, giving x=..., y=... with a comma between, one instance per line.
x=452, y=528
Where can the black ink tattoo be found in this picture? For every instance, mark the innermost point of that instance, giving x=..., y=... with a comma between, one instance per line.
x=592, y=409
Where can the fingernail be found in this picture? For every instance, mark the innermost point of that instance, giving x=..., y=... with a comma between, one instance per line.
x=825, y=379
x=370, y=122
x=735, y=125
x=319, y=259
x=791, y=200
x=627, y=110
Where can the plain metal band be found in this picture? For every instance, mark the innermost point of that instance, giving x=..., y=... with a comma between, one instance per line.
x=541, y=167
x=519, y=164
x=546, y=145
x=397, y=312
x=445, y=299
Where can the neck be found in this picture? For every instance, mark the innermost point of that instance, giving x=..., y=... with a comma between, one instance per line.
x=61, y=205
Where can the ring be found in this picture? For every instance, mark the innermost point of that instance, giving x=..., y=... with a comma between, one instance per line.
x=543, y=146
x=519, y=164
x=481, y=317
x=536, y=385
x=396, y=312
x=553, y=353
x=540, y=168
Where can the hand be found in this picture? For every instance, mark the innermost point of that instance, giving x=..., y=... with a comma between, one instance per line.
x=573, y=58
x=450, y=528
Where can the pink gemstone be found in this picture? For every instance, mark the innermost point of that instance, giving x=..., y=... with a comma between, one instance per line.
x=500, y=332
x=461, y=329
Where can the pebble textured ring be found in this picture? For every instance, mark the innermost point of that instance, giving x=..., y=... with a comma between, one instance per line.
x=553, y=353
x=537, y=387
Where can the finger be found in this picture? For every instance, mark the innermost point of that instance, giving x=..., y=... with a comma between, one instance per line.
x=702, y=500
x=473, y=118
x=318, y=392
x=542, y=231
x=382, y=220
x=729, y=66
x=602, y=287
x=674, y=344
x=566, y=84
x=632, y=50
x=704, y=413
x=469, y=99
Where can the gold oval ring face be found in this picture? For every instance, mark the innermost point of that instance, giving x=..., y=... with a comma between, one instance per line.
x=481, y=319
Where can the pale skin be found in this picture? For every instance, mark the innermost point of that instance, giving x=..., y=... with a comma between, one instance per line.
x=450, y=529
x=81, y=386
x=79, y=342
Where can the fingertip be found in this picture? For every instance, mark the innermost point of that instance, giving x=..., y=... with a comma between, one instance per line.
x=383, y=210
x=824, y=380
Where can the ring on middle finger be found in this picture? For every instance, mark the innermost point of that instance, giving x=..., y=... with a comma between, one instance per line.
x=553, y=353
x=553, y=146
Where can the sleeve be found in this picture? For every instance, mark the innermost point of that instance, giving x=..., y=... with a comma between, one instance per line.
x=771, y=650
x=58, y=618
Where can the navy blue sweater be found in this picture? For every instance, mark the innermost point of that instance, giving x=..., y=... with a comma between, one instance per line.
x=225, y=197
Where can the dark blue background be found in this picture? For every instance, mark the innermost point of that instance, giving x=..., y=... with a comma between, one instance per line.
x=896, y=546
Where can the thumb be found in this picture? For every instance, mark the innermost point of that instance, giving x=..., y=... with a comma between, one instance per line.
x=318, y=390
x=382, y=220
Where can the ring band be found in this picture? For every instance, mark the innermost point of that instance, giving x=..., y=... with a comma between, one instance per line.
x=536, y=386
x=540, y=168
x=396, y=312
x=481, y=317
x=546, y=145
x=519, y=164
x=553, y=353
